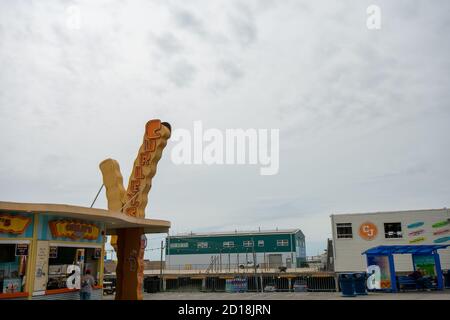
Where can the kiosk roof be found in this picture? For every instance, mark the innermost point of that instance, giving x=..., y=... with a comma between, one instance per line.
x=113, y=220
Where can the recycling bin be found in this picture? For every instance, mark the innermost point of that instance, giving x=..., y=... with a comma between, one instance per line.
x=360, y=283
x=347, y=284
x=447, y=279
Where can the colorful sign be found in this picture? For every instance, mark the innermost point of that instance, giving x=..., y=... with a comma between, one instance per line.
x=384, y=271
x=416, y=233
x=425, y=264
x=12, y=285
x=443, y=239
x=415, y=225
x=368, y=231
x=420, y=239
x=443, y=231
x=13, y=224
x=236, y=285
x=132, y=202
x=74, y=230
x=440, y=224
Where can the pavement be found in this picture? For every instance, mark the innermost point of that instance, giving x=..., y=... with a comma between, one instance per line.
x=414, y=295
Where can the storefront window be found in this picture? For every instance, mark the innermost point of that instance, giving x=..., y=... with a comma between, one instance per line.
x=13, y=266
x=60, y=258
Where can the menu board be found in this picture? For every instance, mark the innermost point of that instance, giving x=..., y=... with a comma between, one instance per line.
x=21, y=249
x=41, y=273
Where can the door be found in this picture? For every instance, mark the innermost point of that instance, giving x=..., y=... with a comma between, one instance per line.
x=275, y=261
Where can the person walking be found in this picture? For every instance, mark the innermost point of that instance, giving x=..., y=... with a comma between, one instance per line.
x=87, y=283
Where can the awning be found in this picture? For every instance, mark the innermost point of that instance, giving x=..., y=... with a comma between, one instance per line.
x=405, y=249
x=112, y=220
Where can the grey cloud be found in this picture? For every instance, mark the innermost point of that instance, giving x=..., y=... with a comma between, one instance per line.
x=243, y=25
x=231, y=69
x=182, y=74
x=187, y=20
x=363, y=115
x=168, y=44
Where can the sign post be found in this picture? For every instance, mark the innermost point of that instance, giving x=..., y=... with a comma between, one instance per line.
x=132, y=202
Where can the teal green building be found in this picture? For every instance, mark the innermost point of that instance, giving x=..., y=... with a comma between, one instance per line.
x=239, y=249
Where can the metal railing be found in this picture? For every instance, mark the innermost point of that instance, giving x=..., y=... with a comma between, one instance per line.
x=214, y=268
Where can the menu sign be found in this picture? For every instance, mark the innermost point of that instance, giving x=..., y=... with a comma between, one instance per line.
x=41, y=273
x=21, y=249
x=53, y=253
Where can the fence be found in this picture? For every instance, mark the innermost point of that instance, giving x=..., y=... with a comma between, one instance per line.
x=252, y=283
x=206, y=269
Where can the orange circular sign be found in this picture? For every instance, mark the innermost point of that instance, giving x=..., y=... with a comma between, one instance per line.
x=368, y=231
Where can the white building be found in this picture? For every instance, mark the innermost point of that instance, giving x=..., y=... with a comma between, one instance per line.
x=355, y=233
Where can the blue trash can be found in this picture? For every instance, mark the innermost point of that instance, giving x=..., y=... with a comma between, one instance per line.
x=360, y=283
x=347, y=284
x=447, y=279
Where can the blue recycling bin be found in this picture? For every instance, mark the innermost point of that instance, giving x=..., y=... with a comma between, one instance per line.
x=347, y=284
x=360, y=283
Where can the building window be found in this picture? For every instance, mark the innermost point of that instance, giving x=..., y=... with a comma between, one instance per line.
x=202, y=245
x=62, y=259
x=248, y=244
x=344, y=230
x=282, y=243
x=179, y=245
x=393, y=230
x=13, y=268
x=260, y=243
x=228, y=244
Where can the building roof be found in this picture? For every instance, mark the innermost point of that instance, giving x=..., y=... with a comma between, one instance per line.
x=392, y=212
x=233, y=233
x=405, y=249
x=113, y=220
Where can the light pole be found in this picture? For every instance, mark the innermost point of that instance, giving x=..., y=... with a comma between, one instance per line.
x=254, y=265
x=161, y=267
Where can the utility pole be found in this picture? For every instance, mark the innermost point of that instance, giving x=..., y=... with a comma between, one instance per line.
x=254, y=265
x=161, y=268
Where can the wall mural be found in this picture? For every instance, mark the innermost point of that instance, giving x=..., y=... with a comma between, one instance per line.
x=415, y=225
x=440, y=224
x=440, y=231
x=416, y=233
x=440, y=240
x=416, y=240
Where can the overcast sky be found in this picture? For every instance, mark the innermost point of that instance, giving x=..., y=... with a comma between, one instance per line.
x=363, y=114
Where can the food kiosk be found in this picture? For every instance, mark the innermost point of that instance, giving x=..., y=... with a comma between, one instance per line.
x=41, y=243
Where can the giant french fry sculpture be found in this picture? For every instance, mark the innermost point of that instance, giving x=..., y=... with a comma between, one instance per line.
x=127, y=243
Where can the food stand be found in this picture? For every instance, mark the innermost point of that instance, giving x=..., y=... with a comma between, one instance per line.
x=40, y=244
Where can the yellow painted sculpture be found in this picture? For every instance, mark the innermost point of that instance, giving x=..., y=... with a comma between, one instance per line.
x=128, y=243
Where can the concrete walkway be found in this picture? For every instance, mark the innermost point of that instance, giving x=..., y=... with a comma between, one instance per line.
x=433, y=295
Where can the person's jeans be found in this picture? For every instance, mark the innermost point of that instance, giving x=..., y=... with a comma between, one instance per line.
x=85, y=296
